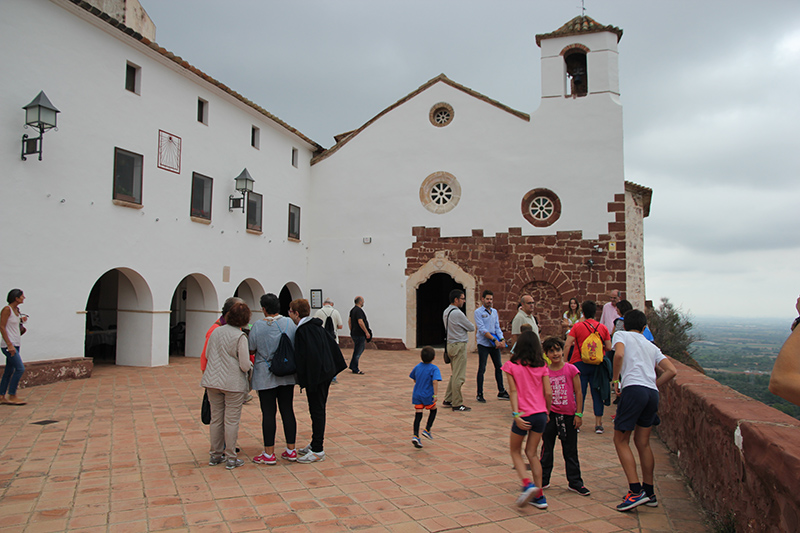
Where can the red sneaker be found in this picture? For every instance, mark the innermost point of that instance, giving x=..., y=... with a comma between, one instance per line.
x=264, y=459
x=289, y=455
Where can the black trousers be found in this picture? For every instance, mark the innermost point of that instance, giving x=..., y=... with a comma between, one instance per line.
x=563, y=427
x=284, y=396
x=317, y=396
x=483, y=355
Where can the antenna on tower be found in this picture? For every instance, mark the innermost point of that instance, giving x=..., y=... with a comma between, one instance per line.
x=583, y=8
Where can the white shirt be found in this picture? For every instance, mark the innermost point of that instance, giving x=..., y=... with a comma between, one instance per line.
x=329, y=311
x=640, y=360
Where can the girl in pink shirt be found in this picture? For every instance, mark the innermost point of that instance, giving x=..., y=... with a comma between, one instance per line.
x=531, y=396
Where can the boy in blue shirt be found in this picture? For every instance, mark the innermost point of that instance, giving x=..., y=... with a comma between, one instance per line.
x=425, y=376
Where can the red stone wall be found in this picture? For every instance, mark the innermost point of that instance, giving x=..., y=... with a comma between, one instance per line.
x=504, y=263
x=740, y=456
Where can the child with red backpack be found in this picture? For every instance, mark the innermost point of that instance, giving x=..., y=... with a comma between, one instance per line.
x=591, y=340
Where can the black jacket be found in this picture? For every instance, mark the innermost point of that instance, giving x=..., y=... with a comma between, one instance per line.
x=316, y=353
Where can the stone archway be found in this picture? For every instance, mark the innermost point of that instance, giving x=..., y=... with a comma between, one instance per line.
x=194, y=304
x=551, y=290
x=250, y=291
x=440, y=263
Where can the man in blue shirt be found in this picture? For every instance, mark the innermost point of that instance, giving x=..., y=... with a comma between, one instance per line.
x=490, y=340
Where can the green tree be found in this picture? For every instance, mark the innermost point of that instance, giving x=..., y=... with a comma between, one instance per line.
x=672, y=331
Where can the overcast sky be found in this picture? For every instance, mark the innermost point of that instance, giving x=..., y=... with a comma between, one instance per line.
x=710, y=94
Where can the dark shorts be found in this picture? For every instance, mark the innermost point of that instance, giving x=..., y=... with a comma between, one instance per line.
x=538, y=422
x=638, y=406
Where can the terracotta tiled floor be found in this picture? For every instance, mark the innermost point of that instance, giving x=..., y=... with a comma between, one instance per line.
x=128, y=453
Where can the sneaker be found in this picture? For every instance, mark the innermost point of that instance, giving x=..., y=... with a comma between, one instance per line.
x=632, y=500
x=653, y=501
x=264, y=459
x=599, y=430
x=311, y=457
x=218, y=460
x=230, y=464
x=415, y=441
x=304, y=450
x=289, y=455
x=528, y=493
x=503, y=395
x=248, y=398
x=447, y=404
x=462, y=408
x=546, y=486
x=480, y=398
x=583, y=491
x=427, y=434
x=540, y=502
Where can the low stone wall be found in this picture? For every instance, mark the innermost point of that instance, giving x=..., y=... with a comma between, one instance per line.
x=44, y=372
x=376, y=343
x=741, y=457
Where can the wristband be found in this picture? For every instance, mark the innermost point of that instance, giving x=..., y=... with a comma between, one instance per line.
x=516, y=414
x=579, y=415
x=615, y=382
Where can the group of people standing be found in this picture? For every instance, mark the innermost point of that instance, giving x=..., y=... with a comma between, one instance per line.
x=234, y=362
x=547, y=384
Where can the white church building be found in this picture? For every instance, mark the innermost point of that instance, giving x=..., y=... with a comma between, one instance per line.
x=128, y=233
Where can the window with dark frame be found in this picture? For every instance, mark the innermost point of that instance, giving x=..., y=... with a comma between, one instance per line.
x=132, y=78
x=295, y=155
x=202, y=187
x=294, y=222
x=254, y=202
x=202, y=111
x=128, y=176
x=255, y=137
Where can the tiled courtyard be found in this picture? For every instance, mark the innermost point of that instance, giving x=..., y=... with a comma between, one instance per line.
x=127, y=452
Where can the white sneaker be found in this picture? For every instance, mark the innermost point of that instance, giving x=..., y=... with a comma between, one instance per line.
x=304, y=450
x=311, y=457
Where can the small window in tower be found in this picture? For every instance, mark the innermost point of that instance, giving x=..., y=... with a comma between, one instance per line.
x=577, y=78
x=295, y=157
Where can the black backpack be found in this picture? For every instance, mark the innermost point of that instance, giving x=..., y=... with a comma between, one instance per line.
x=283, y=363
x=329, y=326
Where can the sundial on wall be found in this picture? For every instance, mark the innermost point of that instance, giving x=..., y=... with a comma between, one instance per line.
x=169, y=152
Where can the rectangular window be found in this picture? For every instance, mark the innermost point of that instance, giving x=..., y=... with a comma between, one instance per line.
x=133, y=75
x=128, y=176
x=201, y=196
x=254, y=211
x=294, y=222
x=202, y=111
x=294, y=157
x=255, y=137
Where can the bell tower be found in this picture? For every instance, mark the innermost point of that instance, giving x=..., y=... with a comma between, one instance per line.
x=580, y=59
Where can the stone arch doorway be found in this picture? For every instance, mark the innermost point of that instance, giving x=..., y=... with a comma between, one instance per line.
x=119, y=319
x=439, y=264
x=432, y=300
x=547, y=307
x=194, y=308
x=289, y=292
x=250, y=291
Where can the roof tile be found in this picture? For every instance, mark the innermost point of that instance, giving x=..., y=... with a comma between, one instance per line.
x=579, y=25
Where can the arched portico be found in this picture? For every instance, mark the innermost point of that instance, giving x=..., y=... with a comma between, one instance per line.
x=196, y=305
x=440, y=263
x=250, y=291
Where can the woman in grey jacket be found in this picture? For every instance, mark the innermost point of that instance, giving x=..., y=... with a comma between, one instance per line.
x=225, y=379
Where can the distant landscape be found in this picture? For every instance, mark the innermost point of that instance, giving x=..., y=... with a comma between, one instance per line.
x=740, y=353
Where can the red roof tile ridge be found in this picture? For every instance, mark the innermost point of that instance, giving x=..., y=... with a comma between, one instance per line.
x=185, y=64
x=578, y=25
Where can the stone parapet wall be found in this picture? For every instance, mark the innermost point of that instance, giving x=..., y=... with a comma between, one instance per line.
x=741, y=457
x=376, y=343
x=46, y=372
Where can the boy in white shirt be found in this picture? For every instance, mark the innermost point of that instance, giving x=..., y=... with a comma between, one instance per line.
x=636, y=361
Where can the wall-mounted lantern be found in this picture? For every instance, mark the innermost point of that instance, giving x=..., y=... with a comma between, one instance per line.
x=40, y=114
x=244, y=184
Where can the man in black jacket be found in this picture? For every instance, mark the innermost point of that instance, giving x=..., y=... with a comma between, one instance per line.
x=318, y=360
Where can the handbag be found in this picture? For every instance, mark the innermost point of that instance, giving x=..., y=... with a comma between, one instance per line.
x=205, y=410
x=446, y=327
x=283, y=363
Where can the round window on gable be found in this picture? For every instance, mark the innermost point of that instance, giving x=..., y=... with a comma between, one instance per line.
x=541, y=207
x=441, y=114
x=440, y=192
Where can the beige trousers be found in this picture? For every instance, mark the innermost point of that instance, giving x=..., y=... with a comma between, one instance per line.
x=458, y=365
x=226, y=411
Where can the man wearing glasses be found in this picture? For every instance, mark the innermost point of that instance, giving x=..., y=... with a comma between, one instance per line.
x=610, y=311
x=524, y=316
x=457, y=326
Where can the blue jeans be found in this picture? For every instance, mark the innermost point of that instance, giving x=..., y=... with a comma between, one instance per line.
x=359, y=343
x=13, y=372
x=483, y=356
x=587, y=374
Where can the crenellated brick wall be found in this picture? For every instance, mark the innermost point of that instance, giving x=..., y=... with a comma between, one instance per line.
x=740, y=456
x=553, y=268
